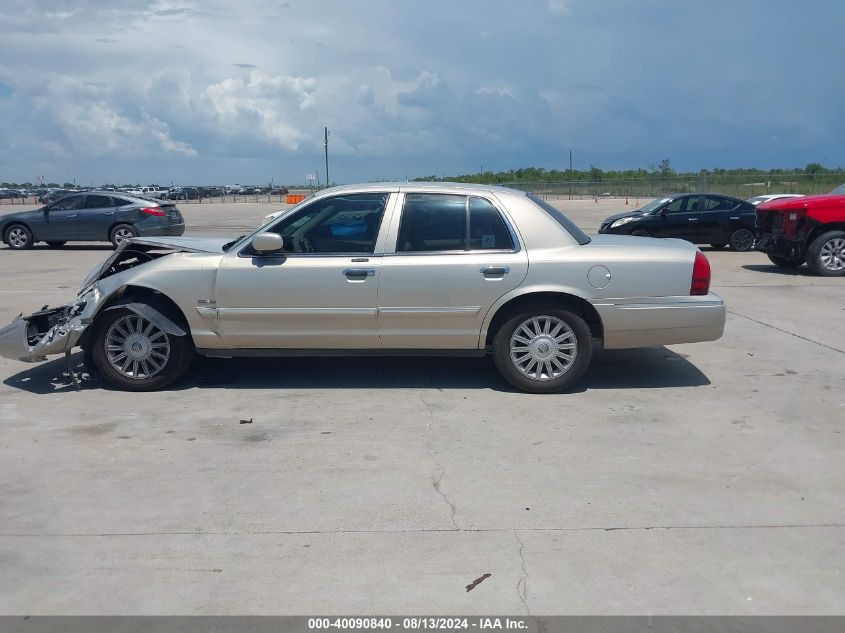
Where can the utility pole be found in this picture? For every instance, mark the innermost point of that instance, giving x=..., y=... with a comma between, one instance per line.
x=326, y=145
x=570, y=174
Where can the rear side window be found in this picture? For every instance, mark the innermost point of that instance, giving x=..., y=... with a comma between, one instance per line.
x=446, y=222
x=568, y=225
x=121, y=202
x=97, y=202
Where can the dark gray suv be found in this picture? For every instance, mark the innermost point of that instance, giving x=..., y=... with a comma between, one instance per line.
x=91, y=216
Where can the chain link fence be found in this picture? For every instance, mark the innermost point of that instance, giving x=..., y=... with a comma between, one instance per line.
x=740, y=186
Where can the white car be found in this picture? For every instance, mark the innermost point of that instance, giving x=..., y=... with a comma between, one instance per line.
x=758, y=200
x=150, y=192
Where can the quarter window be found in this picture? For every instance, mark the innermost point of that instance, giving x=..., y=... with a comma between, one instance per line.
x=446, y=222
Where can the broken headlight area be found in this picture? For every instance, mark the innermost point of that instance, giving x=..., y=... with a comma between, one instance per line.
x=122, y=259
x=49, y=331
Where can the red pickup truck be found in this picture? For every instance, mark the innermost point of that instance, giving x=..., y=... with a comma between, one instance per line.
x=792, y=231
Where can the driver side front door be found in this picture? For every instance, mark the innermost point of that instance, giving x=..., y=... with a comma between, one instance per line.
x=60, y=220
x=320, y=292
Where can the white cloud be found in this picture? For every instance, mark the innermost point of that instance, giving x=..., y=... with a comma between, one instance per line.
x=560, y=7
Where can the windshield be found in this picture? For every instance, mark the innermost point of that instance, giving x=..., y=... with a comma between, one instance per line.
x=653, y=205
x=839, y=191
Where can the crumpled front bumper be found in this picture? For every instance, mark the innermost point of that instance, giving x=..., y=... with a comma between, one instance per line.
x=21, y=339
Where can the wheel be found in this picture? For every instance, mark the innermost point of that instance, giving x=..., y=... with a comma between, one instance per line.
x=785, y=262
x=826, y=254
x=56, y=244
x=18, y=237
x=719, y=245
x=132, y=354
x=742, y=240
x=543, y=349
x=121, y=233
x=640, y=233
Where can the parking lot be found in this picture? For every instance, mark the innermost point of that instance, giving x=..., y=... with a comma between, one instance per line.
x=696, y=479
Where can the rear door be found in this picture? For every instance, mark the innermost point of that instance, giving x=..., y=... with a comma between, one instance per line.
x=719, y=215
x=95, y=217
x=448, y=259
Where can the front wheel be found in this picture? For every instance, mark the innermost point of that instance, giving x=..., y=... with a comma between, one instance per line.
x=742, y=240
x=826, y=254
x=543, y=349
x=785, y=262
x=18, y=237
x=133, y=354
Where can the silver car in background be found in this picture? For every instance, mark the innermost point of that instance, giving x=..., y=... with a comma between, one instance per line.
x=411, y=268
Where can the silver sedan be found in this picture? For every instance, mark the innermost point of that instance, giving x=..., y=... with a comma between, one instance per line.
x=412, y=269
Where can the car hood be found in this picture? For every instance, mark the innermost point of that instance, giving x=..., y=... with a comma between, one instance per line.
x=21, y=215
x=619, y=216
x=805, y=202
x=185, y=244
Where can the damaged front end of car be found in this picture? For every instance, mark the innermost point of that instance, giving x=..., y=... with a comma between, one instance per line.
x=50, y=330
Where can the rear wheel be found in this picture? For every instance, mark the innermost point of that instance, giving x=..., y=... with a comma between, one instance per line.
x=121, y=233
x=55, y=244
x=742, y=240
x=543, y=349
x=826, y=254
x=18, y=237
x=133, y=354
x=785, y=262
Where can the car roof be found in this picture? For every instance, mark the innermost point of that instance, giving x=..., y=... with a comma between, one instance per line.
x=418, y=186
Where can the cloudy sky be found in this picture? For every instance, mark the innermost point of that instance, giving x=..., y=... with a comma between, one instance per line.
x=223, y=91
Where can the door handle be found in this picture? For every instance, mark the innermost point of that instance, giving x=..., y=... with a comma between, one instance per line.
x=692, y=219
x=495, y=271
x=109, y=213
x=71, y=216
x=359, y=273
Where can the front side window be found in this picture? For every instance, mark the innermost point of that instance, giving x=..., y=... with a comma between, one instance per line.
x=687, y=204
x=341, y=224
x=447, y=222
x=68, y=204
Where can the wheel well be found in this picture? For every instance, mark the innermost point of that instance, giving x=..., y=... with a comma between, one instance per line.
x=131, y=294
x=819, y=229
x=575, y=304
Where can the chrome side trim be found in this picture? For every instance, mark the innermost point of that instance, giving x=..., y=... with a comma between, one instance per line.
x=223, y=312
x=417, y=311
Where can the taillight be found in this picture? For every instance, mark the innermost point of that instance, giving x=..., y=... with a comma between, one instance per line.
x=700, y=275
x=153, y=211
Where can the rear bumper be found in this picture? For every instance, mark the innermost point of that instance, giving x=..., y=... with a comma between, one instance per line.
x=170, y=230
x=661, y=320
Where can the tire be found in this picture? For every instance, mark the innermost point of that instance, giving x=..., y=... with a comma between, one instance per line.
x=742, y=240
x=719, y=245
x=826, y=254
x=120, y=233
x=132, y=354
x=56, y=244
x=538, y=324
x=785, y=262
x=18, y=237
x=640, y=233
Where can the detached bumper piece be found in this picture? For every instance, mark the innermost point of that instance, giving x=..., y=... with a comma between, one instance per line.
x=49, y=331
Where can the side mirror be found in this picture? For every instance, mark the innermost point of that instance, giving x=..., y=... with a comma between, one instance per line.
x=663, y=212
x=267, y=243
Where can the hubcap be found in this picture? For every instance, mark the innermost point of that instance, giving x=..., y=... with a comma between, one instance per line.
x=17, y=237
x=742, y=239
x=832, y=254
x=136, y=348
x=543, y=348
x=121, y=235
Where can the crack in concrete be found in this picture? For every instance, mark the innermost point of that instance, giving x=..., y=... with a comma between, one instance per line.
x=441, y=470
x=774, y=327
x=522, y=583
x=795, y=526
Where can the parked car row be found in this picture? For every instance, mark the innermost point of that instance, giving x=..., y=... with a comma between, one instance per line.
x=791, y=229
